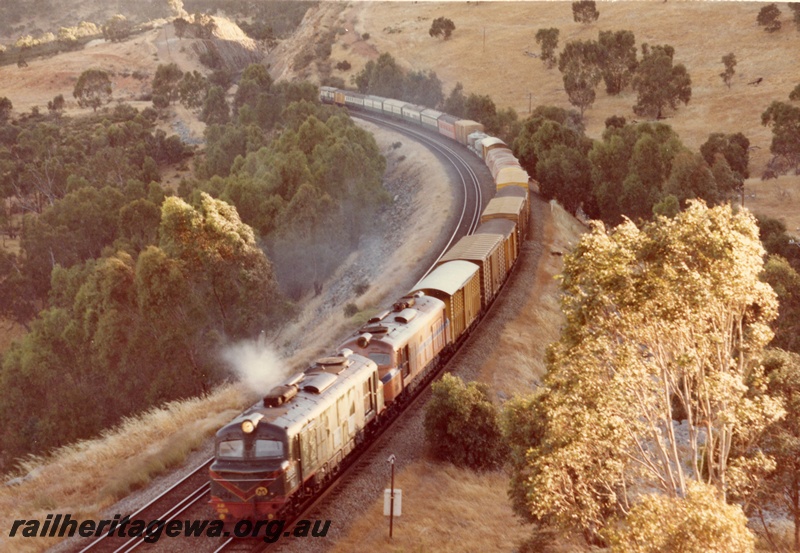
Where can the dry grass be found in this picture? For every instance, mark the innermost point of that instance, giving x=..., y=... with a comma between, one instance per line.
x=87, y=477
x=701, y=32
x=525, y=338
x=778, y=198
x=444, y=508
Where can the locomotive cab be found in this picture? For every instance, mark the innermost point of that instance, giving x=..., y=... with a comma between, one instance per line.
x=253, y=466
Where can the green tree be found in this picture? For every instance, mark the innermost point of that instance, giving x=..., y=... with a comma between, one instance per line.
x=443, y=27
x=462, y=426
x=193, y=89
x=785, y=280
x=565, y=174
x=794, y=95
x=690, y=178
x=5, y=110
x=548, y=40
x=617, y=59
x=782, y=440
x=215, y=108
x=729, y=61
x=769, y=18
x=382, y=77
x=662, y=322
x=735, y=148
x=659, y=83
x=166, y=81
x=93, y=88
x=699, y=523
x=579, y=64
x=796, y=14
x=456, y=102
x=117, y=29
x=585, y=11
x=255, y=81
x=56, y=105
x=785, y=122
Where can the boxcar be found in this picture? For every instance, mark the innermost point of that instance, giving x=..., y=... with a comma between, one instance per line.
x=513, y=208
x=447, y=126
x=508, y=230
x=354, y=99
x=374, y=103
x=484, y=250
x=393, y=107
x=430, y=118
x=490, y=143
x=457, y=284
x=413, y=113
x=464, y=127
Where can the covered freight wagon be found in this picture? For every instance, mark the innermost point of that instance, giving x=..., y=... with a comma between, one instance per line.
x=463, y=129
x=393, y=107
x=457, y=284
x=447, y=125
x=430, y=118
x=374, y=103
x=511, y=208
x=508, y=230
x=484, y=250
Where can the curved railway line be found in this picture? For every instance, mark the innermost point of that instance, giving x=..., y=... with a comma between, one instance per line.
x=192, y=490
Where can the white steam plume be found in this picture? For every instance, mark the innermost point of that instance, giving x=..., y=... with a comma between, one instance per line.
x=255, y=363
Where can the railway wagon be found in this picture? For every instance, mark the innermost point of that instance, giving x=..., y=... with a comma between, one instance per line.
x=485, y=251
x=374, y=103
x=511, y=176
x=500, y=158
x=518, y=191
x=393, y=107
x=404, y=342
x=457, y=284
x=507, y=229
x=430, y=118
x=354, y=99
x=327, y=94
x=286, y=446
x=412, y=113
x=447, y=126
x=491, y=143
x=512, y=208
x=464, y=127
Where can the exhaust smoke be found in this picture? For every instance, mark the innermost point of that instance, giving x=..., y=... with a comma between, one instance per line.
x=257, y=365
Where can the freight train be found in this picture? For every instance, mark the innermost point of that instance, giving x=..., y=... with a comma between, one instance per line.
x=278, y=453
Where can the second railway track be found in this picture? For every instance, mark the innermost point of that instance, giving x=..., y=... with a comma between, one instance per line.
x=186, y=499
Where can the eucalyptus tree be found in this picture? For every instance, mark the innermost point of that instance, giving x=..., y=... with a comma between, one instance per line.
x=663, y=323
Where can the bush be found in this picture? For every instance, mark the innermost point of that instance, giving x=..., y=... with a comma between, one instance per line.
x=461, y=425
x=343, y=65
x=699, y=523
x=350, y=309
x=365, y=36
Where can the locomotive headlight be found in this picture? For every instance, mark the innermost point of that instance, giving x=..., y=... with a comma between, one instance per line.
x=250, y=423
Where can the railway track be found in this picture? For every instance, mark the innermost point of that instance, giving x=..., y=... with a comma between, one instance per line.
x=192, y=490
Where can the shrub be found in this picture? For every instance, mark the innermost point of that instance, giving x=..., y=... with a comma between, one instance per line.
x=461, y=425
x=350, y=309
